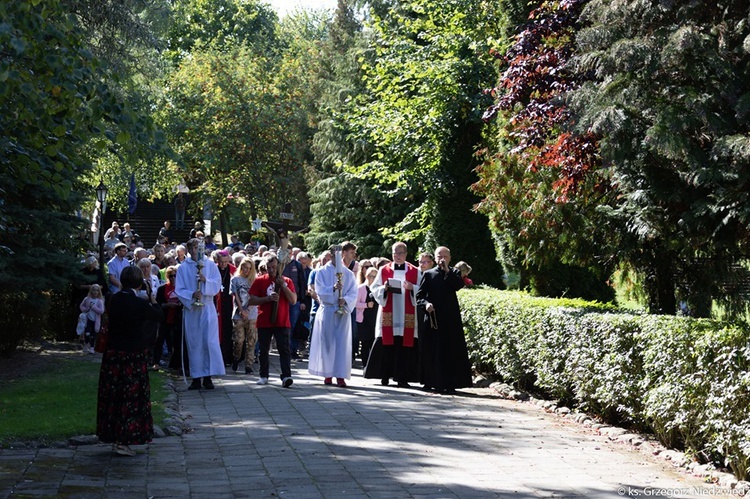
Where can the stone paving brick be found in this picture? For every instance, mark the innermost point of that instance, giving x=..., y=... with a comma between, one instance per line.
x=370, y=441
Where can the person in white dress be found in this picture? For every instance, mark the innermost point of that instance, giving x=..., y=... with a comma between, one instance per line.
x=331, y=352
x=200, y=323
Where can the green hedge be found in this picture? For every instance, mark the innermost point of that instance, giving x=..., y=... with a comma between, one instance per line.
x=35, y=316
x=687, y=380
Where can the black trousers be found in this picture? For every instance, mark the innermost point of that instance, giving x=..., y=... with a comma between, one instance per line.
x=282, y=343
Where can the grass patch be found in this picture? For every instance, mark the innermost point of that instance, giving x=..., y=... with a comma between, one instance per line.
x=59, y=401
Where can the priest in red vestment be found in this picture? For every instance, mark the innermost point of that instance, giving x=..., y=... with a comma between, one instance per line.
x=395, y=353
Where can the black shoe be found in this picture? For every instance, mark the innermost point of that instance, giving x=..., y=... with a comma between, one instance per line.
x=207, y=383
x=248, y=370
x=384, y=381
x=196, y=384
x=450, y=391
x=234, y=366
x=403, y=384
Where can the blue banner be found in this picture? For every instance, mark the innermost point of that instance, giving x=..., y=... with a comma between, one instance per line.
x=132, y=197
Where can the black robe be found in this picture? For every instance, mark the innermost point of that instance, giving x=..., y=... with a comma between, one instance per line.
x=224, y=309
x=445, y=361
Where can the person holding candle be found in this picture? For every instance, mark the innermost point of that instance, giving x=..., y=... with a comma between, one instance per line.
x=331, y=352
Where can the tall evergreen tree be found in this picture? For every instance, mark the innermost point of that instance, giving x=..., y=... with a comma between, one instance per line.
x=343, y=207
x=419, y=118
x=670, y=98
x=642, y=135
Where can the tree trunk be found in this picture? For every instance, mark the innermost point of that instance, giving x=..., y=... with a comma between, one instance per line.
x=660, y=286
x=223, y=225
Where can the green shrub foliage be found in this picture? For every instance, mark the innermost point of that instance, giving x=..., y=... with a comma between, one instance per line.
x=687, y=380
x=22, y=316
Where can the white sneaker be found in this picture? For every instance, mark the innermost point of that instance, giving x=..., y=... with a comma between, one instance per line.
x=262, y=381
x=287, y=382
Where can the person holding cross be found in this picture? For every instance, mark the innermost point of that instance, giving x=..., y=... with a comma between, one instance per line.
x=273, y=293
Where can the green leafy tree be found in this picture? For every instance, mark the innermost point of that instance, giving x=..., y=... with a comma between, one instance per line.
x=200, y=24
x=421, y=117
x=129, y=37
x=56, y=110
x=229, y=120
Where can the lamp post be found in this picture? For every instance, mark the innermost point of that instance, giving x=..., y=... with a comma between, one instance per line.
x=101, y=196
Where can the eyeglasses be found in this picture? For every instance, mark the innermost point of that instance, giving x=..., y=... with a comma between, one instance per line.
x=170, y=276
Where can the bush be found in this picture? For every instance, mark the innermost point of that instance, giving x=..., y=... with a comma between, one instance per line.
x=22, y=317
x=570, y=281
x=35, y=316
x=687, y=380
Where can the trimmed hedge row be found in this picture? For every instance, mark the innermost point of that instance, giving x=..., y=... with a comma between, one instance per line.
x=687, y=380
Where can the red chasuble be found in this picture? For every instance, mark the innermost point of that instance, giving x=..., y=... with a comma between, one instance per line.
x=409, y=317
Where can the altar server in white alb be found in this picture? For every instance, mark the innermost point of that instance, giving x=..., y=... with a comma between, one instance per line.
x=331, y=349
x=198, y=281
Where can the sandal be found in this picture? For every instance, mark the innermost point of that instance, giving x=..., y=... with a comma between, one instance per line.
x=124, y=450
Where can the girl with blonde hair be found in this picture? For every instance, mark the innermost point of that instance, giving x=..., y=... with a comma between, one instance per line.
x=244, y=331
x=93, y=305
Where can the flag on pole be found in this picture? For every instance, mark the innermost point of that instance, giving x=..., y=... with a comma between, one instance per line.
x=132, y=197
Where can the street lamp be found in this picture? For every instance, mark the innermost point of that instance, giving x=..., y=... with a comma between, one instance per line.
x=101, y=196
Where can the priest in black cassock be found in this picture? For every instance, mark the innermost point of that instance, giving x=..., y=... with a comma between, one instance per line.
x=445, y=363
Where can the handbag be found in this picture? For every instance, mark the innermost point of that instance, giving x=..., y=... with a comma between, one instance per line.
x=83, y=319
x=101, y=340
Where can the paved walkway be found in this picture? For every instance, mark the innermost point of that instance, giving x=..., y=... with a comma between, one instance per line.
x=313, y=441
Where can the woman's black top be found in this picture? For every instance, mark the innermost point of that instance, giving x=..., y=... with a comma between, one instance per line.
x=127, y=316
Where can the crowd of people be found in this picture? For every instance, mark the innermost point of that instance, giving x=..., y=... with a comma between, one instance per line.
x=214, y=309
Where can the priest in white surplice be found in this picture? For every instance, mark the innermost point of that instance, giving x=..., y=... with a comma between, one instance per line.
x=331, y=349
x=200, y=324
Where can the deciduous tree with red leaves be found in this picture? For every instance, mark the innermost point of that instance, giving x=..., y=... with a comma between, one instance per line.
x=543, y=181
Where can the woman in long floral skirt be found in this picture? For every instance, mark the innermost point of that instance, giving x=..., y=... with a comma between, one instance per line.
x=124, y=403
